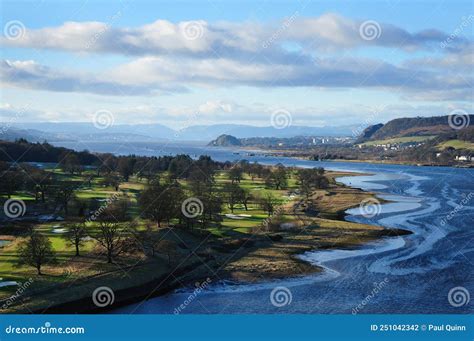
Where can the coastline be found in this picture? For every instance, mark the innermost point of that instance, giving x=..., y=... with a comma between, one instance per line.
x=329, y=230
x=298, y=155
x=249, y=262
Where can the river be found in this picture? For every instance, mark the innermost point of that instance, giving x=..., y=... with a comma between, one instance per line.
x=409, y=274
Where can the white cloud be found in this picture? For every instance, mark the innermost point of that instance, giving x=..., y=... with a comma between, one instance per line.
x=200, y=38
x=211, y=107
x=175, y=57
x=157, y=75
x=31, y=75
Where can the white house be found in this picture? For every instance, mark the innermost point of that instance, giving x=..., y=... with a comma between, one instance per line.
x=464, y=158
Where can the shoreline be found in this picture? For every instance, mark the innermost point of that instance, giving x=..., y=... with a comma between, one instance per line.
x=327, y=231
x=288, y=154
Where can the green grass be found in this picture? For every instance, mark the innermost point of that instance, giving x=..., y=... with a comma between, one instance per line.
x=396, y=140
x=21, y=196
x=89, y=265
x=456, y=144
x=57, y=273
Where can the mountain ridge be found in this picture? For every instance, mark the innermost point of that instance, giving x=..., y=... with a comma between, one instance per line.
x=415, y=126
x=145, y=132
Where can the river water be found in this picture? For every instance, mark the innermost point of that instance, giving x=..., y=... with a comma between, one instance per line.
x=409, y=274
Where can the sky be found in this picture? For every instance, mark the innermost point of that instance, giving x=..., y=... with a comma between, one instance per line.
x=184, y=63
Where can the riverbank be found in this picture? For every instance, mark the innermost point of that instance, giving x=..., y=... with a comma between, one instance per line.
x=242, y=255
x=325, y=228
x=299, y=155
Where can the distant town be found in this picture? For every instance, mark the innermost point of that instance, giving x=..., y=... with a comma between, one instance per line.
x=423, y=141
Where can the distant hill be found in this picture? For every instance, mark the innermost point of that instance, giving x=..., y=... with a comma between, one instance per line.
x=369, y=131
x=156, y=132
x=404, y=127
x=225, y=141
x=87, y=131
x=241, y=131
x=8, y=133
x=24, y=151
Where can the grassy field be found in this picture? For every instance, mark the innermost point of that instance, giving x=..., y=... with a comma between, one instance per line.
x=456, y=144
x=92, y=263
x=240, y=248
x=396, y=140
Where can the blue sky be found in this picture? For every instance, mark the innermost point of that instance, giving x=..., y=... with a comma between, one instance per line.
x=238, y=63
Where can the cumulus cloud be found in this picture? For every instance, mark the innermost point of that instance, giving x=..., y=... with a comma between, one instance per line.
x=463, y=60
x=174, y=57
x=200, y=38
x=331, y=31
x=31, y=75
x=157, y=75
x=216, y=106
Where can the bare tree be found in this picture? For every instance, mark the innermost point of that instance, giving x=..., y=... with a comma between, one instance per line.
x=75, y=235
x=64, y=194
x=111, y=235
x=70, y=163
x=161, y=202
x=310, y=180
x=245, y=196
x=111, y=179
x=277, y=178
x=232, y=193
x=268, y=203
x=36, y=251
x=147, y=240
x=235, y=174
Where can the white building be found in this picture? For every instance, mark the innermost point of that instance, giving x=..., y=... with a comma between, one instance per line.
x=464, y=158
